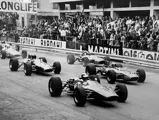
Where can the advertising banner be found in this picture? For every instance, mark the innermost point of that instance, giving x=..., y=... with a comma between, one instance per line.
x=141, y=54
x=43, y=42
x=18, y=6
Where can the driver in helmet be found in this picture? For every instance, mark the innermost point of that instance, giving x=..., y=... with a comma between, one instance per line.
x=84, y=77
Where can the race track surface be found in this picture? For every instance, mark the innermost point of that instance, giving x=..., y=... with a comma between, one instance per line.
x=27, y=97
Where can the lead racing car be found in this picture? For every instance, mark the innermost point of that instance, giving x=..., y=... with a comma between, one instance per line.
x=87, y=87
x=114, y=71
x=34, y=64
x=10, y=51
x=86, y=58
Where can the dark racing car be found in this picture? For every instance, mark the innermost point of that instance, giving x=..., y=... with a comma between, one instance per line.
x=34, y=64
x=87, y=87
x=85, y=58
x=115, y=71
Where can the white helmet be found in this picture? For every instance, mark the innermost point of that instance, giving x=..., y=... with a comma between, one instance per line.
x=84, y=75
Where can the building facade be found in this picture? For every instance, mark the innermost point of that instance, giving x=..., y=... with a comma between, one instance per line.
x=113, y=8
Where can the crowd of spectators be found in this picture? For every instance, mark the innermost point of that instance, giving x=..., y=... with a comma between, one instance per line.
x=137, y=33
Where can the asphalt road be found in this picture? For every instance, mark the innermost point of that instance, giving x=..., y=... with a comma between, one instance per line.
x=27, y=98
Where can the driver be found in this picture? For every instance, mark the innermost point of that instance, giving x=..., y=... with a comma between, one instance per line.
x=84, y=77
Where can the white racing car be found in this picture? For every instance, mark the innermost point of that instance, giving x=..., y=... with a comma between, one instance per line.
x=9, y=51
x=85, y=58
x=86, y=87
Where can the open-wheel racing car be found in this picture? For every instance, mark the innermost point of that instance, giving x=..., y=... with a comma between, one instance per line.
x=86, y=87
x=85, y=58
x=34, y=64
x=116, y=71
x=9, y=51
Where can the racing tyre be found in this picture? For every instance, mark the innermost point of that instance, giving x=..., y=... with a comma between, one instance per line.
x=80, y=96
x=95, y=78
x=142, y=75
x=111, y=76
x=24, y=54
x=85, y=61
x=70, y=59
x=55, y=86
x=13, y=64
x=1, y=47
x=90, y=69
x=43, y=59
x=28, y=69
x=17, y=47
x=57, y=67
x=122, y=92
x=3, y=54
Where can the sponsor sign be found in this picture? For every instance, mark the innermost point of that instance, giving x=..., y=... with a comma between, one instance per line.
x=103, y=50
x=18, y=6
x=141, y=54
x=43, y=42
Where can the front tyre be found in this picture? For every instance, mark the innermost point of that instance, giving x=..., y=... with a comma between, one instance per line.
x=80, y=96
x=142, y=75
x=3, y=54
x=111, y=76
x=122, y=92
x=28, y=69
x=13, y=64
x=57, y=67
x=24, y=54
x=70, y=59
x=55, y=86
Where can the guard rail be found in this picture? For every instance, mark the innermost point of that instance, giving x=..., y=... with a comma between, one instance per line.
x=130, y=60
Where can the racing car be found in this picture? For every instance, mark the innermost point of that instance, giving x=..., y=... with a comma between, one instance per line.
x=8, y=51
x=34, y=64
x=116, y=72
x=85, y=58
x=86, y=87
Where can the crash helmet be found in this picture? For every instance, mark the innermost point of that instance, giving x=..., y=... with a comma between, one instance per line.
x=84, y=76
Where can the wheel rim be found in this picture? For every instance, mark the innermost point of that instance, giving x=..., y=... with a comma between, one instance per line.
x=50, y=88
x=10, y=65
x=87, y=71
x=75, y=97
x=24, y=69
x=108, y=78
x=68, y=61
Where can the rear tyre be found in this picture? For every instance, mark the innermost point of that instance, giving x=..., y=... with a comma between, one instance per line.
x=28, y=69
x=90, y=69
x=13, y=64
x=95, y=78
x=122, y=92
x=55, y=86
x=70, y=59
x=85, y=61
x=57, y=67
x=111, y=76
x=142, y=75
x=3, y=54
x=17, y=47
x=24, y=54
x=80, y=96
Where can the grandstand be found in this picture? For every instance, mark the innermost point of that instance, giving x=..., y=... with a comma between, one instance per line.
x=113, y=8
